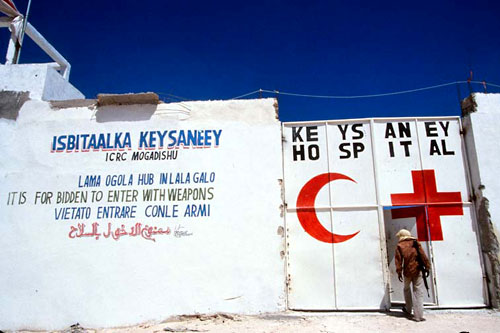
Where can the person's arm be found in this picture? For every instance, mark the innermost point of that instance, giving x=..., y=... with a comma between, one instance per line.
x=398, y=260
x=426, y=261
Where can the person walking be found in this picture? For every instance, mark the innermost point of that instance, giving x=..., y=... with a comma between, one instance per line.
x=413, y=264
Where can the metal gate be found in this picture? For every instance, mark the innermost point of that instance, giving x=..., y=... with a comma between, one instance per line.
x=350, y=185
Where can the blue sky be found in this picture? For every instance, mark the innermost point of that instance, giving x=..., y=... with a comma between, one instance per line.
x=202, y=50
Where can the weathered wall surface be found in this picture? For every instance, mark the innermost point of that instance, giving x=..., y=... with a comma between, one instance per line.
x=11, y=102
x=40, y=80
x=121, y=214
x=481, y=119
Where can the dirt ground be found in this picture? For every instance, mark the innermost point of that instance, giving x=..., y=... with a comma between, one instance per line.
x=483, y=321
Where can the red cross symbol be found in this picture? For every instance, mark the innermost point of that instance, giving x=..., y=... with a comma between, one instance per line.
x=431, y=205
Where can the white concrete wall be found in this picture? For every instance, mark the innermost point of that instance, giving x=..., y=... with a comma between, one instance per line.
x=57, y=88
x=54, y=275
x=41, y=80
x=485, y=139
x=482, y=138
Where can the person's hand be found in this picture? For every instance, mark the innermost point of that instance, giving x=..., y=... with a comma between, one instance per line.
x=400, y=277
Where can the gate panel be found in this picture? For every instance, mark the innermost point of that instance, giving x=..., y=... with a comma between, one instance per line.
x=358, y=266
x=441, y=146
x=305, y=156
x=357, y=261
x=350, y=154
x=311, y=280
x=451, y=226
x=397, y=154
x=456, y=260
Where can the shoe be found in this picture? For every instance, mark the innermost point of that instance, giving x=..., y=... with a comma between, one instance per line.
x=406, y=312
x=419, y=319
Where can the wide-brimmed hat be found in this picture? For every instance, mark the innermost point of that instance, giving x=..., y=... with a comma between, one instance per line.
x=404, y=234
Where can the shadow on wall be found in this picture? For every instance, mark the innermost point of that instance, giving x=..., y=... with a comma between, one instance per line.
x=125, y=113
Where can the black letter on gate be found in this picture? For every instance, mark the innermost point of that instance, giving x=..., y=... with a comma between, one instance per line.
x=299, y=151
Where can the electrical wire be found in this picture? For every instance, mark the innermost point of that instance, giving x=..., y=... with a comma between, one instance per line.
x=365, y=96
x=490, y=84
x=251, y=93
x=178, y=100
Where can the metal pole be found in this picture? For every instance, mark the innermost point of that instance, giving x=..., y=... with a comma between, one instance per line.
x=330, y=210
x=39, y=40
x=386, y=274
x=469, y=80
x=434, y=284
x=19, y=43
x=459, y=98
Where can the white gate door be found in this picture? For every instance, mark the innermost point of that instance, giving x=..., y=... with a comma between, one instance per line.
x=334, y=254
x=422, y=174
x=340, y=178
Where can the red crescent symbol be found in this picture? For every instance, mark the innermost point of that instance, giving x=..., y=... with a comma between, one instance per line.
x=307, y=213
